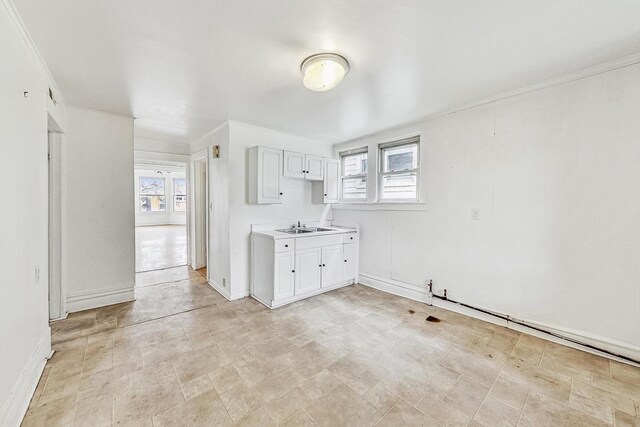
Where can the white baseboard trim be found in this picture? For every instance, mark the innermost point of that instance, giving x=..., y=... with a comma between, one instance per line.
x=16, y=406
x=222, y=291
x=99, y=298
x=417, y=293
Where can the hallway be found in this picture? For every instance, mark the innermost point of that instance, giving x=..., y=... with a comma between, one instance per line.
x=160, y=246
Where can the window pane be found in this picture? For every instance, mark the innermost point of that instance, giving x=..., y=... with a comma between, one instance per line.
x=152, y=186
x=180, y=203
x=397, y=159
x=354, y=164
x=354, y=188
x=179, y=187
x=401, y=186
x=152, y=204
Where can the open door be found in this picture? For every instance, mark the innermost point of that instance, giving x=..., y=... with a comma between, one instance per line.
x=56, y=299
x=201, y=211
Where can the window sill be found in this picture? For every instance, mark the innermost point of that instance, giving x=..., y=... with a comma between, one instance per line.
x=380, y=206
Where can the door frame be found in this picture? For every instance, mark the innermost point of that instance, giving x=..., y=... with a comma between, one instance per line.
x=200, y=205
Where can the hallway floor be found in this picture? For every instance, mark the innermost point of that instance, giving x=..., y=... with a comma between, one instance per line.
x=183, y=355
x=160, y=246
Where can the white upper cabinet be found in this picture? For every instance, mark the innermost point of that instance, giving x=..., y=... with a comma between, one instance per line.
x=303, y=166
x=294, y=164
x=331, y=180
x=314, y=168
x=265, y=175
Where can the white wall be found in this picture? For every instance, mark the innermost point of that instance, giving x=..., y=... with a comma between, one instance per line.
x=169, y=216
x=100, y=237
x=555, y=175
x=297, y=204
x=159, y=146
x=218, y=263
x=25, y=333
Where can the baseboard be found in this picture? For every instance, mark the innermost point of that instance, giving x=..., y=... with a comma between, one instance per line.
x=222, y=291
x=416, y=293
x=16, y=406
x=99, y=298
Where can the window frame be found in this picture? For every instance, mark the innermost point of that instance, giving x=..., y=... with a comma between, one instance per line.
x=164, y=194
x=175, y=194
x=412, y=140
x=353, y=152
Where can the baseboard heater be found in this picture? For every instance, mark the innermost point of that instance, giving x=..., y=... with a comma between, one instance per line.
x=510, y=319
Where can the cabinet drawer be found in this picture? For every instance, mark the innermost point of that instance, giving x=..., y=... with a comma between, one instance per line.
x=318, y=241
x=284, y=245
x=350, y=238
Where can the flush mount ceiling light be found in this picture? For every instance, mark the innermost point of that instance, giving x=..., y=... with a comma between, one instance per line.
x=324, y=71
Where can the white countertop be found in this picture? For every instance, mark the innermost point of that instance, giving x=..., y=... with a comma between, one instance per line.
x=274, y=234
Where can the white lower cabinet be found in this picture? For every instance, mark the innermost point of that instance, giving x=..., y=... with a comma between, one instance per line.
x=332, y=266
x=308, y=270
x=350, y=261
x=284, y=275
x=286, y=270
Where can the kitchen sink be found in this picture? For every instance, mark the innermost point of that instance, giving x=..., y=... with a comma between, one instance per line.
x=303, y=230
x=296, y=230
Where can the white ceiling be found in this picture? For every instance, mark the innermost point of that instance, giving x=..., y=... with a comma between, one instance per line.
x=184, y=67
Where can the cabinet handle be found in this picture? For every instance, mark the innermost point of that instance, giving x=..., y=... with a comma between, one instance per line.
x=325, y=195
x=286, y=246
x=323, y=265
x=293, y=271
x=345, y=260
x=281, y=194
x=320, y=265
x=351, y=238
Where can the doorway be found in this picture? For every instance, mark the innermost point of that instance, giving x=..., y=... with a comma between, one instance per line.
x=161, y=216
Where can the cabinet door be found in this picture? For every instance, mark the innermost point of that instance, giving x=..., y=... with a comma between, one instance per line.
x=308, y=270
x=284, y=275
x=269, y=175
x=331, y=180
x=332, y=265
x=350, y=261
x=314, y=168
x=294, y=164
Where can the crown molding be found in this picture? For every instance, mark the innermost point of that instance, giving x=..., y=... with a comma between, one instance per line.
x=26, y=37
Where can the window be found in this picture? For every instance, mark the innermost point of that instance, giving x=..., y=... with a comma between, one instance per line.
x=354, y=174
x=151, y=194
x=399, y=170
x=179, y=195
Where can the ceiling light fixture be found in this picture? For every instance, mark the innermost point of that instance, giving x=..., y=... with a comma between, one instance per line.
x=324, y=71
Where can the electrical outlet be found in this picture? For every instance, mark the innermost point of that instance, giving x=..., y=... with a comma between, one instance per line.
x=475, y=214
x=224, y=282
x=37, y=274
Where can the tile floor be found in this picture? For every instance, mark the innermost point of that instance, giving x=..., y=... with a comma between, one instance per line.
x=160, y=246
x=182, y=355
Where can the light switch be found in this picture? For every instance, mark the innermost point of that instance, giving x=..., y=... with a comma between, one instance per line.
x=475, y=214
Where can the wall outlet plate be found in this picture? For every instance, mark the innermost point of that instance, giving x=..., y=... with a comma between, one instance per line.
x=475, y=214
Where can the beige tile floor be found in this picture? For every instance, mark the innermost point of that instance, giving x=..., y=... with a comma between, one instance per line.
x=182, y=355
x=160, y=246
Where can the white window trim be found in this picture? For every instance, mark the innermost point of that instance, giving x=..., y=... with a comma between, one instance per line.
x=341, y=155
x=380, y=175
